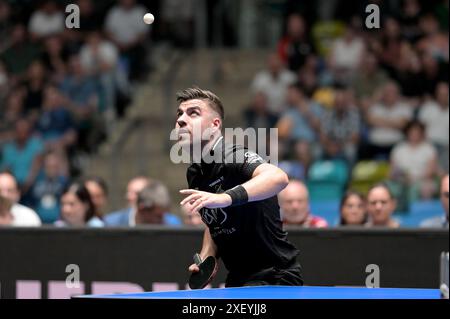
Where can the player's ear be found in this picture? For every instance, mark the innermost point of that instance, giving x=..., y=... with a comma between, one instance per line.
x=217, y=123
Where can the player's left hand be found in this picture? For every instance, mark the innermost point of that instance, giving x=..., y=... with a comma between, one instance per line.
x=198, y=200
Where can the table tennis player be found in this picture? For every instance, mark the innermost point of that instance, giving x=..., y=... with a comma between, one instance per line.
x=235, y=192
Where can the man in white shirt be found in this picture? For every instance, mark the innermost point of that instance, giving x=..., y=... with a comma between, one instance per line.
x=435, y=115
x=48, y=20
x=23, y=216
x=125, y=27
x=274, y=83
x=387, y=120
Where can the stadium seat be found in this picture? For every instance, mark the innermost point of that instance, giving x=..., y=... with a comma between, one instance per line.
x=367, y=173
x=327, y=180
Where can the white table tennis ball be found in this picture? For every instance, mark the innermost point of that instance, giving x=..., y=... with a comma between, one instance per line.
x=149, y=18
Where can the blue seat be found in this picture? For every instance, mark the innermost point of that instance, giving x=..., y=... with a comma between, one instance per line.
x=327, y=180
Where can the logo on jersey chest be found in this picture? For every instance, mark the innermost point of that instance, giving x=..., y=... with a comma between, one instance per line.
x=216, y=215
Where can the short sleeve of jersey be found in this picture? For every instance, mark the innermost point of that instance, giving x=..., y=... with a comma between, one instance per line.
x=242, y=162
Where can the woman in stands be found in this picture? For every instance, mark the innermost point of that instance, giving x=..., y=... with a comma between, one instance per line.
x=77, y=208
x=353, y=210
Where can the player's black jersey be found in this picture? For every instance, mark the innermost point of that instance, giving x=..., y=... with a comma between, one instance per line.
x=250, y=237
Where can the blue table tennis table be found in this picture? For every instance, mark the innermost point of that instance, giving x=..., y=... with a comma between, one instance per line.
x=280, y=292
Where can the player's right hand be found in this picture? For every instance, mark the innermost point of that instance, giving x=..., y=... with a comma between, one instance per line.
x=194, y=268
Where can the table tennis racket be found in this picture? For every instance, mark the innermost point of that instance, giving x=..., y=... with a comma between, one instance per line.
x=208, y=270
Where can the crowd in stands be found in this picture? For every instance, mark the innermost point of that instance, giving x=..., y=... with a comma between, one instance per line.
x=356, y=106
x=363, y=116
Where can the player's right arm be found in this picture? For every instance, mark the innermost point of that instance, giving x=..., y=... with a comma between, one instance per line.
x=209, y=248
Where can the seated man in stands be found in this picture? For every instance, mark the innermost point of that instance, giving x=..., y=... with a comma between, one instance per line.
x=152, y=204
x=381, y=205
x=440, y=221
x=295, y=208
x=6, y=217
x=127, y=217
x=23, y=216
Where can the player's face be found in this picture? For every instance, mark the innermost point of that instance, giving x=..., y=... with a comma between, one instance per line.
x=73, y=211
x=194, y=117
x=353, y=210
x=380, y=206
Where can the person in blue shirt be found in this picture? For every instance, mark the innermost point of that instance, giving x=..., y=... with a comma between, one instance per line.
x=45, y=195
x=126, y=217
x=23, y=155
x=56, y=124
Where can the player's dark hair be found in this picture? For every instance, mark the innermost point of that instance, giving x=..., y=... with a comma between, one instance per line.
x=196, y=93
x=81, y=192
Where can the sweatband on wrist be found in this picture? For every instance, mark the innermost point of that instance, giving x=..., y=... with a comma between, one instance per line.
x=238, y=194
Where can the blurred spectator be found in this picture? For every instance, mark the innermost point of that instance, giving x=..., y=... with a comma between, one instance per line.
x=55, y=57
x=433, y=41
x=387, y=119
x=435, y=115
x=47, y=20
x=346, y=55
x=153, y=204
x=20, y=53
x=300, y=125
x=45, y=194
x=353, y=210
x=91, y=20
x=409, y=19
x=56, y=125
x=295, y=208
x=296, y=46
x=341, y=128
x=381, y=205
x=6, y=217
x=34, y=83
x=415, y=162
x=274, y=83
x=4, y=82
x=100, y=59
x=127, y=216
x=125, y=28
x=82, y=99
x=23, y=155
x=23, y=216
x=369, y=77
x=258, y=114
x=440, y=221
x=77, y=209
x=98, y=189
x=177, y=17
x=388, y=47
x=5, y=23
x=408, y=71
x=434, y=71
x=9, y=116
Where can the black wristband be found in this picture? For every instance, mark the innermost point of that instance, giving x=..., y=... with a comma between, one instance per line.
x=239, y=195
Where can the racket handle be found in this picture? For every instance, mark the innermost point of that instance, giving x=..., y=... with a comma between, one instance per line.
x=197, y=259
